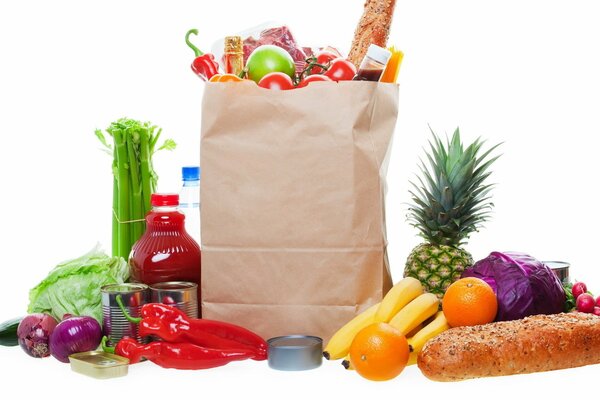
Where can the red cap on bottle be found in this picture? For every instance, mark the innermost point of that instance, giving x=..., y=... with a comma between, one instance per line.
x=164, y=200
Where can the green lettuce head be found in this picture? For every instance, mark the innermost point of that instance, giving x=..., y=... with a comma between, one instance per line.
x=73, y=287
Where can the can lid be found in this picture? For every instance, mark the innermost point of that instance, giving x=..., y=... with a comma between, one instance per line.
x=556, y=264
x=173, y=285
x=190, y=173
x=164, y=199
x=99, y=365
x=295, y=352
x=378, y=54
x=124, y=288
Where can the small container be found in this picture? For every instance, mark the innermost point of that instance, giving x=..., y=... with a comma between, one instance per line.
x=99, y=365
x=183, y=295
x=560, y=268
x=295, y=352
x=234, y=55
x=114, y=324
x=372, y=66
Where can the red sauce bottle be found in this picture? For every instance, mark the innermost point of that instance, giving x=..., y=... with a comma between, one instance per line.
x=165, y=252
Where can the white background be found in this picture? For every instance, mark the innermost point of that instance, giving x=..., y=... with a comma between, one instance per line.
x=520, y=72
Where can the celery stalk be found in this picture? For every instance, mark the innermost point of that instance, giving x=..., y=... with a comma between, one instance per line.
x=147, y=187
x=134, y=178
x=136, y=206
x=115, y=222
x=123, y=211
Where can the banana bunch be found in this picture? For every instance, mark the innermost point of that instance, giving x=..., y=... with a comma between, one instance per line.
x=429, y=331
x=406, y=307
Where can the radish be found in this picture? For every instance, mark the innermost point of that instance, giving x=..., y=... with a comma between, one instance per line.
x=578, y=289
x=597, y=310
x=585, y=303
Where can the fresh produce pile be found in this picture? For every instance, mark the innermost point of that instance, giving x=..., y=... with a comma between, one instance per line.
x=454, y=318
x=275, y=61
x=496, y=314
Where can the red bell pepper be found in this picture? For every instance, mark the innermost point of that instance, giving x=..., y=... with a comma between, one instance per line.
x=178, y=355
x=204, y=65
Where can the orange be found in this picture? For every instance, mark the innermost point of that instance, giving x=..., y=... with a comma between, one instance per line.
x=469, y=301
x=230, y=78
x=225, y=78
x=379, y=352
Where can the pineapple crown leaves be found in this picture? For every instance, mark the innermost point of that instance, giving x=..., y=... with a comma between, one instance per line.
x=452, y=199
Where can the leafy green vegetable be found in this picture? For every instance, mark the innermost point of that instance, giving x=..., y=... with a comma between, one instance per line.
x=134, y=144
x=73, y=287
x=570, y=299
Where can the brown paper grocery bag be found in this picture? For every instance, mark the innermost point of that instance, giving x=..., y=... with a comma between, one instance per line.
x=293, y=217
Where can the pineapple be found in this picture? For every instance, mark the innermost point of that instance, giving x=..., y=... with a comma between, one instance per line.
x=451, y=202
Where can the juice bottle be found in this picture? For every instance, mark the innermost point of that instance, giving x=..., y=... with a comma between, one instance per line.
x=165, y=252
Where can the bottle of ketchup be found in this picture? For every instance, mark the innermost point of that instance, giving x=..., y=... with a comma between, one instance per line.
x=165, y=252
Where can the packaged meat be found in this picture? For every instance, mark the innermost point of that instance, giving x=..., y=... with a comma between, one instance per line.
x=268, y=33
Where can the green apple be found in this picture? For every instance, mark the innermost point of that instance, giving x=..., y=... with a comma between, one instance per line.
x=269, y=58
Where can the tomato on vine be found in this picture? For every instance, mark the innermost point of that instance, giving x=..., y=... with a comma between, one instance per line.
x=323, y=59
x=312, y=78
x=276, y=81
x=341, y=70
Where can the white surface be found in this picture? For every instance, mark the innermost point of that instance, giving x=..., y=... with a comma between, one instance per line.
x=524, y=73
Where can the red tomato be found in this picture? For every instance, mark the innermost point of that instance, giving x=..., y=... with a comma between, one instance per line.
x=276, y=81
x=312, y=78
x=323, y=58
x=341, y=70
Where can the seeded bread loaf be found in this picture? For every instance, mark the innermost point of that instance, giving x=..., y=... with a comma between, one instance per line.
x=533, y=344
x=373, y=27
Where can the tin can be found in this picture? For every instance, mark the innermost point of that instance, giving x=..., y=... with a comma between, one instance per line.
x=99, y=365
x=183, y=295
x=114, y=323
x=295, y=352
x=560, y=268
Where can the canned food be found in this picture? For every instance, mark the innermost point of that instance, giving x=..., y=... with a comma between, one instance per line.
x=114, y=323
x=295, y=352
x=98, y=364
x=560, y=268
x=183, y=295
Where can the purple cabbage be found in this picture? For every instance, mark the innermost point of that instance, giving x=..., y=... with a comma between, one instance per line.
x=523, y=285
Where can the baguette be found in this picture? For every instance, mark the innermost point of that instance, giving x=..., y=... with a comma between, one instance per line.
x=373, y=27
x=533, y=344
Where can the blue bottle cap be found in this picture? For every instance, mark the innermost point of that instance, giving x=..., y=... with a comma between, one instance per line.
x=190, y=173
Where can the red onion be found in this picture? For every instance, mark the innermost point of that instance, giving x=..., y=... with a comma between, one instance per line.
x=75, y=335
x=34, y=333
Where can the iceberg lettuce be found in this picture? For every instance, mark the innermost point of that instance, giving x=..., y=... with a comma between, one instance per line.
x=73, y=287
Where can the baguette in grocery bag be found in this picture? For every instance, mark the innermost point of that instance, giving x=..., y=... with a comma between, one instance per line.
x=293, y=216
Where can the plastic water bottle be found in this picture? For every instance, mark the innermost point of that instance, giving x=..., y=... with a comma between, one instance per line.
x=189, y=200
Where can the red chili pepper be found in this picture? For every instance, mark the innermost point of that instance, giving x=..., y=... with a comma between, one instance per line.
x=173, y=325
x=178, y=355
x=204, y=65
x=232, y=332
